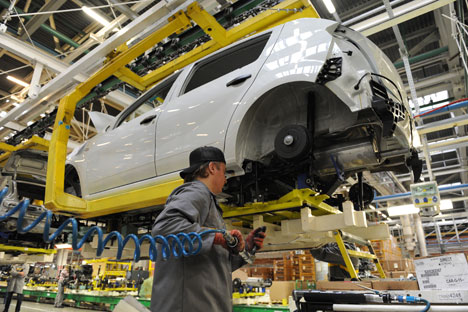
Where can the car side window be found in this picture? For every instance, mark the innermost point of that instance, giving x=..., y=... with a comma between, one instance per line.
x=148, y=101
x=226, y=62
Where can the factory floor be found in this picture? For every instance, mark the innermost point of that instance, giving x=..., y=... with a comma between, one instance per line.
x=30, y=306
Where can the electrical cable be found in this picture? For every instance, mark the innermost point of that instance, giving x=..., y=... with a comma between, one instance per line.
x=356, y=86
x=172, y=245
x=436, y=109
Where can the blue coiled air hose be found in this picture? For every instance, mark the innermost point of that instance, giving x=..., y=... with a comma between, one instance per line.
x=175, y=245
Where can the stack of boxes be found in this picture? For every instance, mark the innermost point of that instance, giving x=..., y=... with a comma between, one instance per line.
x=283, y=269
x=294, y=266
x=304, y=267
x=391, y=259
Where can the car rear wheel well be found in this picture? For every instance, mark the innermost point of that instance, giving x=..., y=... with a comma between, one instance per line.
x=72, y=181
x=295, y=103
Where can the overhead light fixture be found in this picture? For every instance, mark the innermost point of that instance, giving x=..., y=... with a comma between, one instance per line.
x=402, y=210
x=99, y=18
x=3, y=114
x=17, y=81
x=15, y=104
x=446, y=204
x=330, y=7
x=63, y=246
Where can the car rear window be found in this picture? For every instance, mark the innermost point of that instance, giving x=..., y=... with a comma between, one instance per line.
x=148, y=101
x=226, y=62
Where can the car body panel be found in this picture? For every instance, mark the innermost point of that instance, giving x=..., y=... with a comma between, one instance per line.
x=122, y=155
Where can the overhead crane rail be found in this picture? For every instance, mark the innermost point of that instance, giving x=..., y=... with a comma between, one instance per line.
x=55, y=198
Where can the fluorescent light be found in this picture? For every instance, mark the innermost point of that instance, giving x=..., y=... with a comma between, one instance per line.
x=330, y=7
x=63, y=246
x=3, y=114
x=446, y=204
x=402, y=210
x=99, y=18
x=17, y=81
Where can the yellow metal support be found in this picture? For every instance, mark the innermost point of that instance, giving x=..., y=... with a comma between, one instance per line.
x=376, y=261
x=294, y=199
x=347, y=254
x=33, y=143
x=359, y=254
x=56, y=199
x=28, y=250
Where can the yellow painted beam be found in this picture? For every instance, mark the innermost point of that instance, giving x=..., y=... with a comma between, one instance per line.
x=127, y=75
x=34, y=143
x=28, y=250
x=294, y=199
x=345, y=255
x=358, y=254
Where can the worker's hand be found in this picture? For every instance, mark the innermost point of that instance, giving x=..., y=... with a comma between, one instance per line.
x=221, y=240
x=254, y=240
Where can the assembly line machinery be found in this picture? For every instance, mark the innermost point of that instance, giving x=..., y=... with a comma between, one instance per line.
x=315, y=224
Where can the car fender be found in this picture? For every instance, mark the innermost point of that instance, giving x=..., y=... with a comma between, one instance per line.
x=298, y=55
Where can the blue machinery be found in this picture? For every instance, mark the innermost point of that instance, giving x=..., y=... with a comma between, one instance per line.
x=175, y=245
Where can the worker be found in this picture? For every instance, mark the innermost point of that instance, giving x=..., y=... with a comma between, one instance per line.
x=202, y=282
x=18, y=273
x=62, y=281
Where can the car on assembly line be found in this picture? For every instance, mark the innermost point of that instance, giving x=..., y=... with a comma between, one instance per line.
x=304, y=104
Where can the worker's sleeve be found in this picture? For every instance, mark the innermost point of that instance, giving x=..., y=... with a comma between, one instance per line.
x=236, y=262
x=13, y=272
x=184, y=212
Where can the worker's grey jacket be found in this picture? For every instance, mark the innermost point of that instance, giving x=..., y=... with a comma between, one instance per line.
x=16, y=281
x=197, y=283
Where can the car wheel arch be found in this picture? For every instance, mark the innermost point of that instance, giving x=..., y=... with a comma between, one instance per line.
x=72, y=183
x=276, y=108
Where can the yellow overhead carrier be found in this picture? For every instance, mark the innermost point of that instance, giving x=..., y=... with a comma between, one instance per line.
x=56, y=199
x=35, y=142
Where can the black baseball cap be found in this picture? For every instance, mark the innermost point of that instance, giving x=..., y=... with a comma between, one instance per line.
x=202, y=155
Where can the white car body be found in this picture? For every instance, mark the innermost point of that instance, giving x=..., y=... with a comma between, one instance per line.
x=244, y=119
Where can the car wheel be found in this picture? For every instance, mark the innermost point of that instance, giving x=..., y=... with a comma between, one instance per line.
x=293, y=142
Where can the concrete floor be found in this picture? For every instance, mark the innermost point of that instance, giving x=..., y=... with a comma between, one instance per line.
x=30, y=306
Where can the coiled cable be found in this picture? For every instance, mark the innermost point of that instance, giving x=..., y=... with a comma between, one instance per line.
x=175, y=245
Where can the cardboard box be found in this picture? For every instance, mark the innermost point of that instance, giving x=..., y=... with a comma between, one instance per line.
x=327, y=285
x=399, y=274
x=395, y=285
x=240, y=273
x=280, y=290
x=443, y=273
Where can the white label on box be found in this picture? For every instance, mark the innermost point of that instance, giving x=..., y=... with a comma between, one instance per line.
x=442, y=273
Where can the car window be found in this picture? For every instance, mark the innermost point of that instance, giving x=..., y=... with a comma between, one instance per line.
x=226, y=62
x=148, y=101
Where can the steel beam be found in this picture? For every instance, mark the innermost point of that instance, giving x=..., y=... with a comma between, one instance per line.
x=402, y=13
x=443, y=124
x=93, y=60
x=37, y=20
